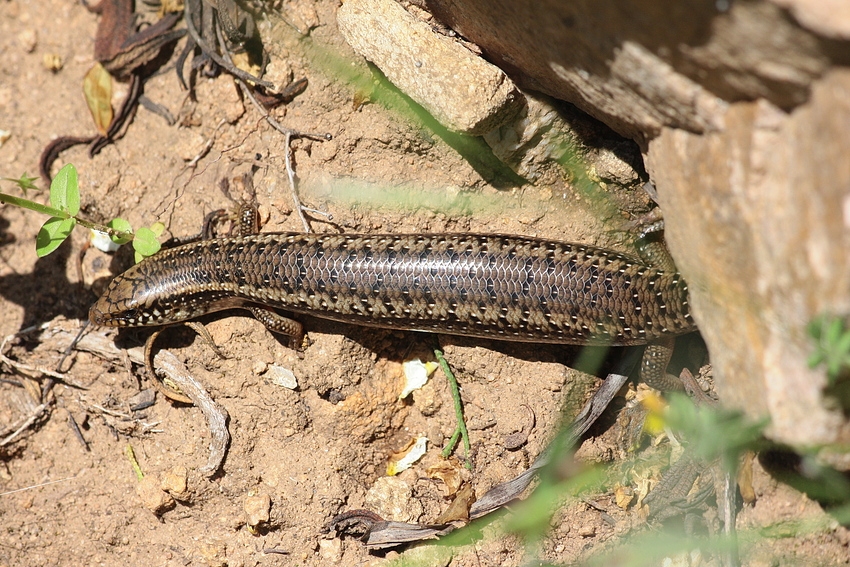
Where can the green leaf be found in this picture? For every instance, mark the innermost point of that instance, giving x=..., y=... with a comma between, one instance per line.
x=120, y=225
x=834, y=328
x=145, y=243
x=25, y=183
x=52, y=234
x=842, y=345
x=158, y=228
x=832, y=345
x=64, y=191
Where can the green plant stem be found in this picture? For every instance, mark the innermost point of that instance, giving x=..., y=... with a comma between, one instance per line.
x=37, y=207
x=460, y=428
x=48, y=210
x=104, y=228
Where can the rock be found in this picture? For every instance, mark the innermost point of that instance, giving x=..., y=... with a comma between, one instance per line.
x=224, y=90
x=282, y=376
x=152, y=496
x=279, y=72
x=742, y=112
x=191, y=145
x=257, y=508
x=176, y=481
x=829, y=18
x=760, y=226
x=545, y=131
x=28, y=39
x=460, y=89
x=638, y=66
x=330, y=550
x=212, y=553
x=392, y=498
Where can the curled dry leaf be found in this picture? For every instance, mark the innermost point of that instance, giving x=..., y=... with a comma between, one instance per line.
x=52, y=62
x=97, y=88
x=624, y=496
x=450, y=472
x=458, y=510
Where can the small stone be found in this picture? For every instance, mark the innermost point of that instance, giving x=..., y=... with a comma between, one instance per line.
x=28, y=39
x=429, y=401
x=176, y=481
x=304, y=16
x=392, y=498
x=282, y=376
x=330, y=549
x=214, y=553
x=257, y=509
x=152, y=496
x=27, y=502
x=142, y=400
x=587, y=531
x=226, y=95
x=264, y=214
x=279, y=73
x=326, y=151
x=190, y=148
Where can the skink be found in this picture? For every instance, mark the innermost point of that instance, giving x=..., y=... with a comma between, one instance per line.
x=482, y=285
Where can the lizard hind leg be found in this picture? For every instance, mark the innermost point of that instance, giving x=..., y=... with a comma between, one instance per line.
x=277, y=323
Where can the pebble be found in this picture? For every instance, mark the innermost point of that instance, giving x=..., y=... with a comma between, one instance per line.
x=176, y=481
x=257, y=508
x=282, y=376
x=153, y=497
x=28, y=38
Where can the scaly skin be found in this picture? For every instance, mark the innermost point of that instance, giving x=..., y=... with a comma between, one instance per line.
x=493, y=286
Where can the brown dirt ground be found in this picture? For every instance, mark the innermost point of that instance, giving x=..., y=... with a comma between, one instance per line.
x=310, y=453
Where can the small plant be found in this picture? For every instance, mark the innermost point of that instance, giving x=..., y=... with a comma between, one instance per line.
x=64, y=209
x=832, y=345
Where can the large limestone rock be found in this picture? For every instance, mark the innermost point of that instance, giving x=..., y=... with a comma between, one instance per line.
x=640, y=66
x=759, y=218
x=743, y=113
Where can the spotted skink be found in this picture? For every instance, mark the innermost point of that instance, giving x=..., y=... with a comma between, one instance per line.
x=482, y=285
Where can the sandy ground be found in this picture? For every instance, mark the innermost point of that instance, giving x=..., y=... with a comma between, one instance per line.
x=323, y=447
